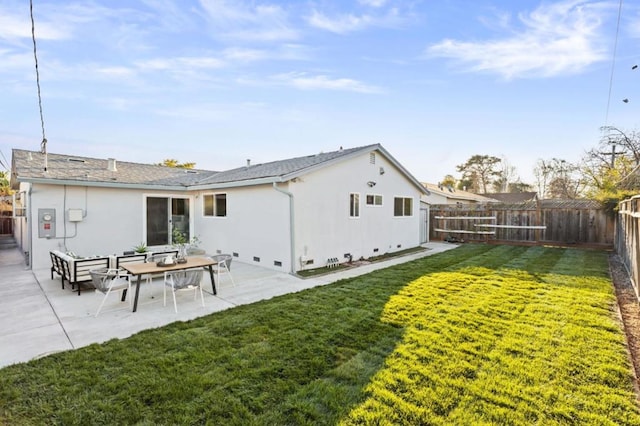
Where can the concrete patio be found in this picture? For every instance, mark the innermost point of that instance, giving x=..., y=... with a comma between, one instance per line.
x=38, y=317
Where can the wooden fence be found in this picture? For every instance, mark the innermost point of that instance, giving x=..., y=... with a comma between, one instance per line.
x=6, y=222
x=558, y=222
x=627, y=238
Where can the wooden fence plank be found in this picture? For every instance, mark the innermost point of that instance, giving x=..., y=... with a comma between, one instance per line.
x=549, y=222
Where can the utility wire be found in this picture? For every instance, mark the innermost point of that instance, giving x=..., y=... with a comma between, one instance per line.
x=613, y=64
x=43, y=144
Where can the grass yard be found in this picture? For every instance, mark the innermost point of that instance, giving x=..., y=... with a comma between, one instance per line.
x=481, y=334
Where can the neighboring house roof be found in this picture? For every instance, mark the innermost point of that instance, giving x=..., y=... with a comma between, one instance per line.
x=28, y=166
x=513, y=197
x=554, y=203
x=457, y=195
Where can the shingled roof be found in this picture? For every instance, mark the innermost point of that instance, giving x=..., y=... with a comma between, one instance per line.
x=513, y=197
x=284, y=169
x=30, y=166
x=64, y=169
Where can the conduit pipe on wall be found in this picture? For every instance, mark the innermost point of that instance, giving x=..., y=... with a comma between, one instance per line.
x=29, y=230
x=291, y=226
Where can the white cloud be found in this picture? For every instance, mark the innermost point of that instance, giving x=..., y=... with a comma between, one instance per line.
x=197, y=112
x=15, y=27
x=115, y=72
x=171, y=15
x=346, y=23
x=555, y=39
x=239, y=20
x=322, y=82
x=180, y=64
x=342, y=24
x=15, y=60
x=240, y=54
x=373, y=3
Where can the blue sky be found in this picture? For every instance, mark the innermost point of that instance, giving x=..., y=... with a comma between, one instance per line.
x=218, y=82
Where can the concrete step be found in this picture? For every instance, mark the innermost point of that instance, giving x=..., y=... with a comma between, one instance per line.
x=7, y=242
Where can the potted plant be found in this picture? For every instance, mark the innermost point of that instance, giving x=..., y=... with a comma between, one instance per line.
x=182, y=243
x=140, y=248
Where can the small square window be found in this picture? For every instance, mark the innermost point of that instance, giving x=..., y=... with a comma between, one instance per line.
x=374, y=200
x=214, y=205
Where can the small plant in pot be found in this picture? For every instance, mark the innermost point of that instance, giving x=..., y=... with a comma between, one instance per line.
x=140, y=248
x=182, y=243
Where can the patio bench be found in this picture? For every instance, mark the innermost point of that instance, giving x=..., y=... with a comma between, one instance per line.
x=76, y=270
x=56, y=265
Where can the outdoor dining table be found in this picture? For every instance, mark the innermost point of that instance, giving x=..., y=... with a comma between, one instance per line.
x=140, y=269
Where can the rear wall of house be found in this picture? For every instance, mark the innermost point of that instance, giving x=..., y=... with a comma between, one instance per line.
x=324, y=227
x=112, y=220
x=255, y=229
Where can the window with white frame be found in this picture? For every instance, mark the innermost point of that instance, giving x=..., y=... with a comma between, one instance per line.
x=164, y=216
x=214, y=205
x=374, y=200
x=19, y=207
x=354, y=204
x=403, y=206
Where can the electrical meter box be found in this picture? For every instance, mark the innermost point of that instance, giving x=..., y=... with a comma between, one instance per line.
x=46, y=223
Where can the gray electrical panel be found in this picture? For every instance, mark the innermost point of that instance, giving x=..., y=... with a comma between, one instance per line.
x=46, y=223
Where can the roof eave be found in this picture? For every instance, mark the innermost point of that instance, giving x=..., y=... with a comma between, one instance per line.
x=400, y=167
x=367, y=149
x=99, y=184
x=237, y=183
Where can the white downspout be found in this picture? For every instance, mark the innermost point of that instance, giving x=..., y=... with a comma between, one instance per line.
x=291, y=226
x=29, y=231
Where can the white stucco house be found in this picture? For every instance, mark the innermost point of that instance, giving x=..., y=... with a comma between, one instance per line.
x=286, y=215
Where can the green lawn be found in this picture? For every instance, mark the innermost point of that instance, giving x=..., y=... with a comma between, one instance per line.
x=481, y=334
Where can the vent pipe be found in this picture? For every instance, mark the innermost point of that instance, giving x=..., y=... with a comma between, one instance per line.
x=112, y=165
x=248, y=162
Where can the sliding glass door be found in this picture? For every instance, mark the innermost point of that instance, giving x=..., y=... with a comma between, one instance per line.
x=164, y=215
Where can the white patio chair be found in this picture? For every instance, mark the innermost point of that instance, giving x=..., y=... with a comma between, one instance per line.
x=223, y=266
x=185, y=279
x=107, y=280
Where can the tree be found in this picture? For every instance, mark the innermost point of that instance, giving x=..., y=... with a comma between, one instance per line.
x=465, y=184
x=480, y=171
x=543, y=171
x=557, y=178
x=614, y=138
x=519, y=187
x=613, y=165
x=507, y=176
x=611, y=170
x=5, y=188
x=449, y=181
x=170, y=162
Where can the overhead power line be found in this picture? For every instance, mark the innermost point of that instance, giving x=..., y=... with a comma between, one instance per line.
x=613, y=63
x=43, y=144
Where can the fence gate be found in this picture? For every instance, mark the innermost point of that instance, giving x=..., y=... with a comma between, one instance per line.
x=424, y=224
